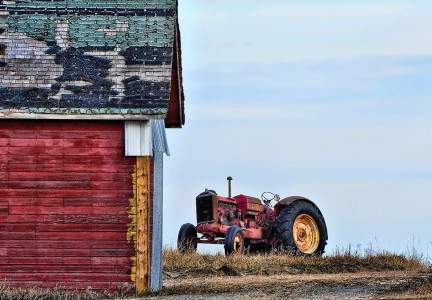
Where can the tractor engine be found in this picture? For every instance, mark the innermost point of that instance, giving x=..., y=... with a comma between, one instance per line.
x=212, y=208
x=215, y=214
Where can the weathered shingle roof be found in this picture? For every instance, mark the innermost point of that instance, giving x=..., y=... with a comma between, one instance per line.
x=86, y=58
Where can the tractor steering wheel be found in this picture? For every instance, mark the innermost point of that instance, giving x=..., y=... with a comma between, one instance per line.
x=267, y=197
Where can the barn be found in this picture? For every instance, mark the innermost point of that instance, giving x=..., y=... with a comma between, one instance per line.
x=87, y=89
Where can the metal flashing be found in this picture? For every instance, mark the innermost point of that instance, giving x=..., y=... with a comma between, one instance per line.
x=144, y=138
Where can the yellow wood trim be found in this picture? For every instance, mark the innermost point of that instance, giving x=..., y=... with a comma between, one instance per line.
x=142, y=221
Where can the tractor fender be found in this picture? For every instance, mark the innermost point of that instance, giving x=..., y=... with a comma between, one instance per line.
x=288, y=200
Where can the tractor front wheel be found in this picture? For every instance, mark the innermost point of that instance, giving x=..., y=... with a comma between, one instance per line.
x=234, y=241
x=301, y=228
x=186, y=241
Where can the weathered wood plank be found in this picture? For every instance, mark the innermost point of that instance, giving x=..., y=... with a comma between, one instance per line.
x=94, y=285
x=70, y=159
x=4, y=209
x=86, y=261
x=58, y=134
x=26, y=235
x=143, y=178
x=61, y=151
x=65, y=126
x=56, y=252
x=68, y=176
x=67, y=277
x=95, y=235
x=66, y=210
x=32, y=201
x=62, y=143
x=119, y=269
x=56, y=244
x=102, y=194
x=40, y=227
x=65, y=185
x=66, y=219
x=94, y=202
x=37, y=185
x=82, y=167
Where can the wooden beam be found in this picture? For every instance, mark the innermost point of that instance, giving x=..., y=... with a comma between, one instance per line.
x=142, y=246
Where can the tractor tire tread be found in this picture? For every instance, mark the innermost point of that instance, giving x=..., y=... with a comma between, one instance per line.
x=186, y=231
x=284, y=223
x=229, y=240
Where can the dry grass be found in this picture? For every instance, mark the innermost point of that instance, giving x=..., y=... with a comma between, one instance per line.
x=425, y=288
x=182, y=268
x=376, y=272
x=280, y=263
x=57, y=293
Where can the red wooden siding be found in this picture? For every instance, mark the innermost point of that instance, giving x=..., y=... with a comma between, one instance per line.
x=64, y=202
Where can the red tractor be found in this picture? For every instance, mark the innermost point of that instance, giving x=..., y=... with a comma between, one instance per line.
x=241, y=222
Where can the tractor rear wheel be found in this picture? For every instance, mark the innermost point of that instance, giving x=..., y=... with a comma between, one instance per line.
x=186, y=240
x=300, y=228
x=234, y=241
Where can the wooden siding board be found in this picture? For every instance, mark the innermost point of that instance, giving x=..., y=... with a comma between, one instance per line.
x=70, y=168
x=60, y=134
x=80, y=151
x=48, y=193
x=62, y=268
x=54, y=252
x=66, y=277
x=97, y=285
x=58, y=244
x=46, y=142
x=66, y=176
x=48, y=227
x=67, y=219
x=64, y=209
x=79, y=185
x=86, y=261
x=49, y=159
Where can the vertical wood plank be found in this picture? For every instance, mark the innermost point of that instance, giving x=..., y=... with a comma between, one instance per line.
x=143, y=175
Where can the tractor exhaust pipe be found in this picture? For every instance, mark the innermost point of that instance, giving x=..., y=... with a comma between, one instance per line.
x=229, y=178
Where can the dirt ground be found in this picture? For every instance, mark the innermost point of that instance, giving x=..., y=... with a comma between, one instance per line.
x=378, y=285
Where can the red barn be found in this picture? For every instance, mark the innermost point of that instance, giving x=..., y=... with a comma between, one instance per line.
x=86, y=92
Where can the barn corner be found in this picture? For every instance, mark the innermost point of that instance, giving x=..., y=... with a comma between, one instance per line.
x=86, y=93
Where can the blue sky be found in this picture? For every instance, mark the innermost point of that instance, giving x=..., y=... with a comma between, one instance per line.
x=326, y=99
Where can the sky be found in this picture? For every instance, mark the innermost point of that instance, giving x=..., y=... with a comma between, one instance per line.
x=330, y=100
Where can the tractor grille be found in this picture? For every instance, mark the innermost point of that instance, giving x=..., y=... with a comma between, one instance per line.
x=204, y=207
